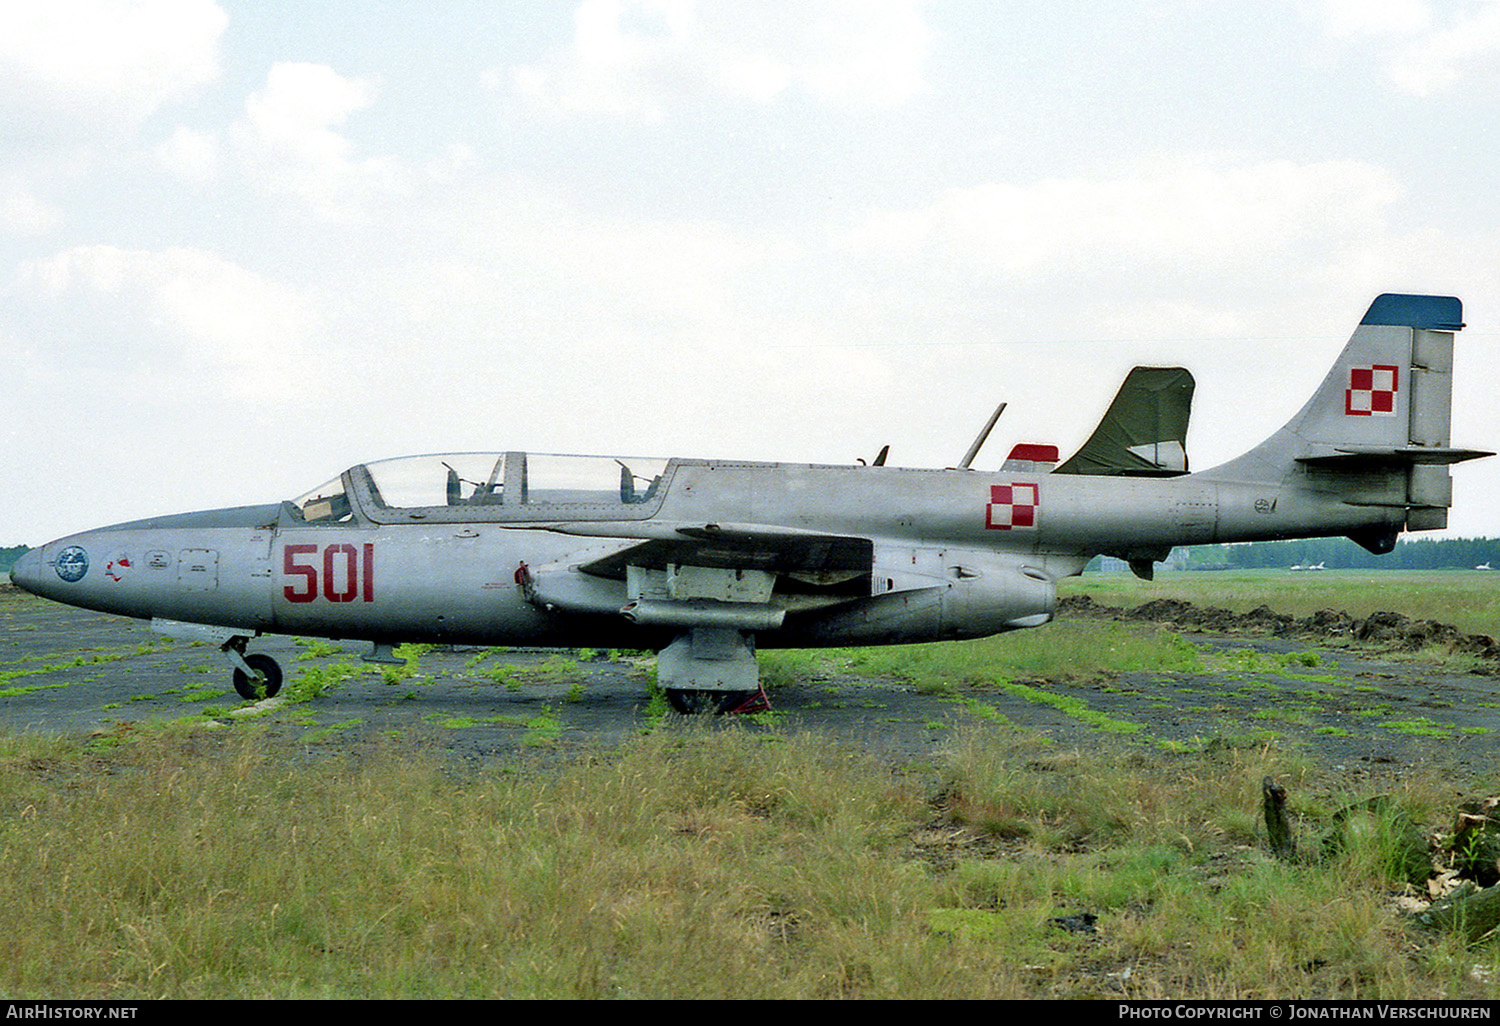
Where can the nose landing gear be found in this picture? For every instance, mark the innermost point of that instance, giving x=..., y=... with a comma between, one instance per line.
x=255, y=676
x=260, y=678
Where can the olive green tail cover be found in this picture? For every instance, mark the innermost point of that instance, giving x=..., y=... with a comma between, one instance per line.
x=1144, y=431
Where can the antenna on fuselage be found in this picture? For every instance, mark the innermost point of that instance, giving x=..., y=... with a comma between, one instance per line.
x=963, y=464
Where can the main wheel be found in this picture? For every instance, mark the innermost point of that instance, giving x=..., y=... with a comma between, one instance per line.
x=698, y=702
x=252, y=689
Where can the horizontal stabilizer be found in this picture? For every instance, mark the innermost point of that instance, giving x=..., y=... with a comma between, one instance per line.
x=1352, y=457
x=1144, y=431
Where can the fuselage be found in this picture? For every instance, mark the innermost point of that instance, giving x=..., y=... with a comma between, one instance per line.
x=951, y=554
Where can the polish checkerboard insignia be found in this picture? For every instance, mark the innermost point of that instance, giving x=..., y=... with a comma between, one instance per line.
x=1011, y=506
x=1372, y=391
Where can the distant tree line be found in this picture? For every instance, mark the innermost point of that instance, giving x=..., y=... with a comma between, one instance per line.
x=1343, y=554
x=9, y=556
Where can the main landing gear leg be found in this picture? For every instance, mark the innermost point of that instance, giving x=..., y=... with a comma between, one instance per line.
x=711, y=670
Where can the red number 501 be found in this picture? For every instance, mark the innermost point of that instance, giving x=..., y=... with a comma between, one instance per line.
x=348, y=573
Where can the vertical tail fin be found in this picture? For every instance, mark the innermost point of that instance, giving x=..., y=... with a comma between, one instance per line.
x=1376, y=432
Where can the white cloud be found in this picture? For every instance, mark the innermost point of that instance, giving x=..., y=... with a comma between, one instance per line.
x=101, y=61
x=1436, y=61
x=869, y=52
x=22, y=213
x=176, y=311
x=528, y=303
x=531, y=275
x=1422, y=56
x=641, y=58
x=1375, y=17
x=1181, y=213
x=190, y=155
x=289, y=144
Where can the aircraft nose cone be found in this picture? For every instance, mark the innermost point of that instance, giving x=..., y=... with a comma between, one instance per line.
x=27, y=571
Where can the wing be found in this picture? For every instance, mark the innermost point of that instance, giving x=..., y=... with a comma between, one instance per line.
x=738, y=548
x=702, y=575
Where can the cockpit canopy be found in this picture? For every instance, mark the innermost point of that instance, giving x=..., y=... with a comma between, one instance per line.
x=489, y=486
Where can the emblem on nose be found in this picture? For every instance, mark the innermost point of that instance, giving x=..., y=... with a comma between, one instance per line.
x=72, y=563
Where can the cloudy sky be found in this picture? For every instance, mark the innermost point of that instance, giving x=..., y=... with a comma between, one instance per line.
x=245, y=245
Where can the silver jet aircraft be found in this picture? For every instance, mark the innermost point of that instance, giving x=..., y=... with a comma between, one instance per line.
x=704, y=561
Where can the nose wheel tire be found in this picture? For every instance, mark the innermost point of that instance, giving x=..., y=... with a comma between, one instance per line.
x=253, y=689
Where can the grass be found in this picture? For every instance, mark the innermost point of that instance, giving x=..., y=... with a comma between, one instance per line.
x=27, y=689
x=726, y=860
x=694, y=862
x=543, y=728
x=1067, y=649
x=554, y=670
x=314, y=680
x=314, y=648
x=92, y=658
x=1072, y=706
x=327, y=733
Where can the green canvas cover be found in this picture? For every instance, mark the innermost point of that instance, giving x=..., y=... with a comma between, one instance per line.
x=1144, y=431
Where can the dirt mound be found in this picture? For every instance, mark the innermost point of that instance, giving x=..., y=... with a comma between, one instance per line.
x=1385, y=629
